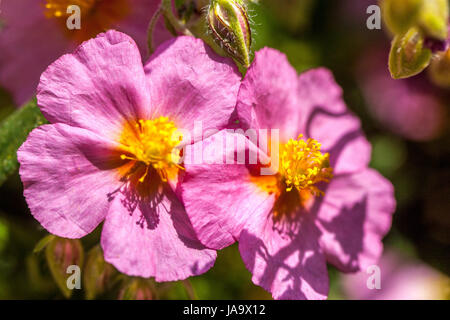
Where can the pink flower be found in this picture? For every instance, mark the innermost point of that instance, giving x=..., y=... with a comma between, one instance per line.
x=108, y=153
x=287, y=232
x=401, y=278
x=34, y=34
x=410, y=108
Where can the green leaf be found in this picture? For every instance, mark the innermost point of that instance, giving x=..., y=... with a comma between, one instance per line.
x=179, y=3
x=408, y=56
x=13, y=132
x=43, y=243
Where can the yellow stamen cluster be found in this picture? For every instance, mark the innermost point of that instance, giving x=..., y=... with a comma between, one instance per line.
x=302, y=165
x=153, y=143
x=58, y=8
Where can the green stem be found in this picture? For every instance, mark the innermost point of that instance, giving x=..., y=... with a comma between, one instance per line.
x=166, y=6
x=151, y=27
x=189, y=289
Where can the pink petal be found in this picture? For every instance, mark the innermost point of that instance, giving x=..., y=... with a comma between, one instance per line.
x=98, y=87
x=153, y=239
x=285, y=260
x=220, y=198
x=341, y=136
x=67, y=176
x=354, y=216
x=268, y=96
x=326, y=118
x=318, y=89
x=189, y=82
x=272, y=96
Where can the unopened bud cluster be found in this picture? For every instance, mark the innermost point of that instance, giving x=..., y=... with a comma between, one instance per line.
x=420, y=29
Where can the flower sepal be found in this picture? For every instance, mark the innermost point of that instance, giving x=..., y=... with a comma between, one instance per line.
x=440, y=69
x=230, y=28
x=408, y=55
x=137, y=289
x=98, y=275
x=429, y=16
x=61, y=254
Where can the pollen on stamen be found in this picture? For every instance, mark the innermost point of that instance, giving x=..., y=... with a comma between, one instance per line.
x=152, y=143
x=58, y=8
x=303, y=165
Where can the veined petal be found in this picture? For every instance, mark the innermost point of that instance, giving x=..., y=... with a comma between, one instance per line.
x=268, y=96
x=285, y=260
x=67, y=175
x=153, y=238
x=98, y=87
x=326, y=118
x=354, y=216
x=218, y=224
x=189, y=83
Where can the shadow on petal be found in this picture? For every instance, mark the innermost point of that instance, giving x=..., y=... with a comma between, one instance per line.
x=290, y=266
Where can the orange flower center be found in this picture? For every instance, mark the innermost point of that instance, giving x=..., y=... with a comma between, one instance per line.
x=301, y=167
x=96, y=16
x=58, y=8
x=152, y=144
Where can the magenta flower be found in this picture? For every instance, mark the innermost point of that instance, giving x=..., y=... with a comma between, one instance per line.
x=287, y=231
x=401, y=278
x=108, y=154
x=410, y=108
x=34, y=34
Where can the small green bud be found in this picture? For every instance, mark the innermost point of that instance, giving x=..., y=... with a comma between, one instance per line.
x=408, y=55
x=137, y=289
x=60, y=254
x=98, y=274
x=400, y=15
x=430, y=16
x=434, y=18
x=440, y=69
x=230, y=28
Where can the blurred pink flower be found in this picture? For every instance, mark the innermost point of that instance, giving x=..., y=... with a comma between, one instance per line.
x=107, y=154
x=33, y=36
x=401, y=279
x=410, y=107
x=287, y=234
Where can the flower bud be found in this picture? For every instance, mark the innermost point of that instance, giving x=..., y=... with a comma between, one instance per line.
x=98, y=274
x=429, y=16
x=60, y=254
x=408, y=55
x=400, y=16
x=440, y=69
x=434, y=18
x=230, y=28
x=137, y=289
